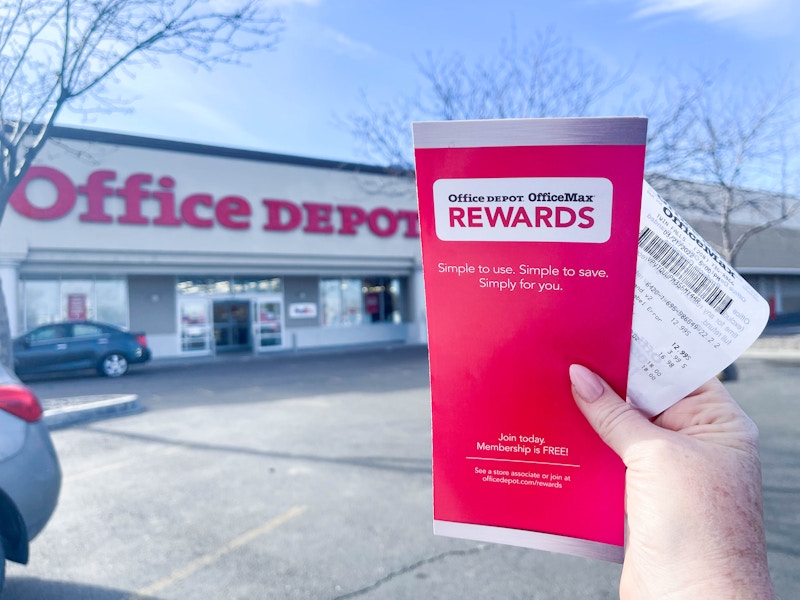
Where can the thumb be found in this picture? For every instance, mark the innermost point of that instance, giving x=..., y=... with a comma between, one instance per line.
x=617, y=423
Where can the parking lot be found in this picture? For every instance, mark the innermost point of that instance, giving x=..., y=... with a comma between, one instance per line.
x=308, y=477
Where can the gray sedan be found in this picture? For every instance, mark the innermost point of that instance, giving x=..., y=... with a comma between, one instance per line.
x=30, y=475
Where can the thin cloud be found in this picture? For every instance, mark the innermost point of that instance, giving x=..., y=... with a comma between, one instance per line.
x=763, y=18
x=347, y=46
x=709, y=10
x=277, y=4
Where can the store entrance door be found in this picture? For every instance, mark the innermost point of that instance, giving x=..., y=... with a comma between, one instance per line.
x=267, y=324
x=194, y=326
x=232, y=326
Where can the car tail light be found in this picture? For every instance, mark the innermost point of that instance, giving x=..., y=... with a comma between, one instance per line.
x=142, y=339
x=20, y=402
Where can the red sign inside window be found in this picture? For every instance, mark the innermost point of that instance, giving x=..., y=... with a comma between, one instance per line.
x=76, y=306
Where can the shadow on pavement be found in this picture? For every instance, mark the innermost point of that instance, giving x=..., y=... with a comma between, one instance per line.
x=29, y=588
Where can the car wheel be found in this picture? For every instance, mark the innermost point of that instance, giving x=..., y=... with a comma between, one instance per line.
x=2, y=567
x=113, y=365
x=729, y=373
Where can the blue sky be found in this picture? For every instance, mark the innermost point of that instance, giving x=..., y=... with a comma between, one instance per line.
x=288, y=100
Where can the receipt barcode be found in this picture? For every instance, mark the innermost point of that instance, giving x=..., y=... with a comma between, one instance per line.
x=683, y=271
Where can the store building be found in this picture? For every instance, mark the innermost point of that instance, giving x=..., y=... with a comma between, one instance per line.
x=211, y=250
x=768, y=260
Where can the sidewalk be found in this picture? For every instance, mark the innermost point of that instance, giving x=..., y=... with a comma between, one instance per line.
x=63, y=412
x=67, y=411
x=776, y=347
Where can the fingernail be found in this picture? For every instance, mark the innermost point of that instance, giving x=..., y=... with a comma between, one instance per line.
x=586, y=384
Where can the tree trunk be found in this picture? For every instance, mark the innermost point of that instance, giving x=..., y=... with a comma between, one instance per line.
x=6, y=357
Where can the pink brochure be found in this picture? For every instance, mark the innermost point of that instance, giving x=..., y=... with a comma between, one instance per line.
x=529, y=234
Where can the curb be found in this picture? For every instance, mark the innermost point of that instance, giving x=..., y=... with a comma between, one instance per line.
x=68, y=411
x=85, y=409
x=768, y=354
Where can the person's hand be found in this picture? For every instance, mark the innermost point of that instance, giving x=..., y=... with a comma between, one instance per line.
x=693, y=493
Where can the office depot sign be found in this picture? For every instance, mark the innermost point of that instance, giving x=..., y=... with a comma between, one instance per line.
x=147, y=200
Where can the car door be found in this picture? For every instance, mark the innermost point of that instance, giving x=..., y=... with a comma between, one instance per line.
x=89, y=342
x=43, y=349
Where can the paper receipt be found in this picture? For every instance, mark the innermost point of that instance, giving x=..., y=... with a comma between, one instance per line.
x=693, y=313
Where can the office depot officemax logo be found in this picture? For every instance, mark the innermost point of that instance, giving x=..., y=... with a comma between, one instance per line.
x=47, y=194
x=523, y=209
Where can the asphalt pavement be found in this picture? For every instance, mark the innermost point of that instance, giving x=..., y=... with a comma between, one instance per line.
x=65, y=411
x=342, y=437
x=777, y=344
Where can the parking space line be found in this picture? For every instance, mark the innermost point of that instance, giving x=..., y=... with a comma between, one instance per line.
x=112, y=466
x=212, y=557
x=97, y=470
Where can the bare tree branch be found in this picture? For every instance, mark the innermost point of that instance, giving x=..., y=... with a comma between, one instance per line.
x=716, y=140
x=56, y=53
x=546, y=77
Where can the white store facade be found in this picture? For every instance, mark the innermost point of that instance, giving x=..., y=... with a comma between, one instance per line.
x=212, y=250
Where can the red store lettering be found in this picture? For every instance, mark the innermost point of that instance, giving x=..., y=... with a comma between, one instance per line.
x=283, y=215
x=196, y=210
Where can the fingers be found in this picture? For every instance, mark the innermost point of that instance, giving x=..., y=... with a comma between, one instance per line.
x=710, y=408
x=618, y=423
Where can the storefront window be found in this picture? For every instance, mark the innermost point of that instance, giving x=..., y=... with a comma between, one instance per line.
x=210, y=286
x=195, y=329
x=111, y=300
x=41, y=302
x=77, y=299
x=357, y=301
x=381, y=299
x=59, y=299
x=204, y=285
x=244, y=285
x=790, y=295
x=352, y=302
x=781, y=291
x=342, y=302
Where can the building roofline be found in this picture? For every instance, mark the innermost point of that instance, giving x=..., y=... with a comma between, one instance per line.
x=768, y=270
x=124, y=139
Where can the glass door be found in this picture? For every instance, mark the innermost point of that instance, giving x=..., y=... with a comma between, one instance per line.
x=231, y=325
x=195, y=329
x=267, y=323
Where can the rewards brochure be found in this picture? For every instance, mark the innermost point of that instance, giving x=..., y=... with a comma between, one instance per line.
x=529, y=231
